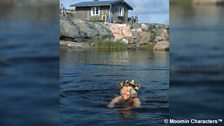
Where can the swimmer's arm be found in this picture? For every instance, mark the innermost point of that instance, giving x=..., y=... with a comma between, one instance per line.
x=114, y=101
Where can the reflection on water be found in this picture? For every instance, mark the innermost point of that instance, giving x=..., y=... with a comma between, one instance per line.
x=88, y=83
x=197, y=64
x=127, y=113
x=28, y=64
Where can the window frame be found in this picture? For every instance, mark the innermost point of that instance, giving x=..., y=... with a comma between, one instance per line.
x=95, y=11
x=121, y=11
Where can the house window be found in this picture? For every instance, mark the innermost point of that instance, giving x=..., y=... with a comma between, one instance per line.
x=121, y=11
x=95, y=11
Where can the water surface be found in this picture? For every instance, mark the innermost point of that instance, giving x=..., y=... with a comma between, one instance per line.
x=28, y=66
x=88, y=83
x=197, y=64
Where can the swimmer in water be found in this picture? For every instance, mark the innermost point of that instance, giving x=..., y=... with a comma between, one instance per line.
x=128, y=96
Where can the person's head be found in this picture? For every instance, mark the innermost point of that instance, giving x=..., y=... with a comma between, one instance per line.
x=125, y=92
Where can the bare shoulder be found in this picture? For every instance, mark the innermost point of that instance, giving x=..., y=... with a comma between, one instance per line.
x=136, y=102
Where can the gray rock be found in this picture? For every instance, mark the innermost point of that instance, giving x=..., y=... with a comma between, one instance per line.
x=74, y=44
x=104, y=32
x=162, y=46
x=76, y=29
x=88, y=28
x=125, y=41
x=158, y=39
x=83, y=31
x=155, y=31
x=164, y=34
x=145, y=27
x=150, y=34
x=135, y=35
x=145, y=38
x=68, y=29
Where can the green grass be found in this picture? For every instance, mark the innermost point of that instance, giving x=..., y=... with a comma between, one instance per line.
x=147, y=46
x=109, y=45
x=118, y=45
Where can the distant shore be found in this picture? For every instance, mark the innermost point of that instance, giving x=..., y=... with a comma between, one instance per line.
x=137, y=36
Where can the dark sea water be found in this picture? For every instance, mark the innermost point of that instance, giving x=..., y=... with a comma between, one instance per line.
x=29, y=67
x=89, y=81
x=197, y=62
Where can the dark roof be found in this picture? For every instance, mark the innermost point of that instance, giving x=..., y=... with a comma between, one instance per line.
x=100, y=3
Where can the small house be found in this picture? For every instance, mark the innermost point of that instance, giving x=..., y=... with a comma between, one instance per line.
x=107, y=11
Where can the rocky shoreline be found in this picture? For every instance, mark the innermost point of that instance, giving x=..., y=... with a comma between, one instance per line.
x=76, y=32
x=74, y=44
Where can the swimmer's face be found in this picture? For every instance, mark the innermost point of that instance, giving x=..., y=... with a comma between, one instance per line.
x=125, y=92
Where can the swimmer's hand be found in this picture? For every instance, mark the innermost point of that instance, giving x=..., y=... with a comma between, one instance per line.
x=110, y=105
